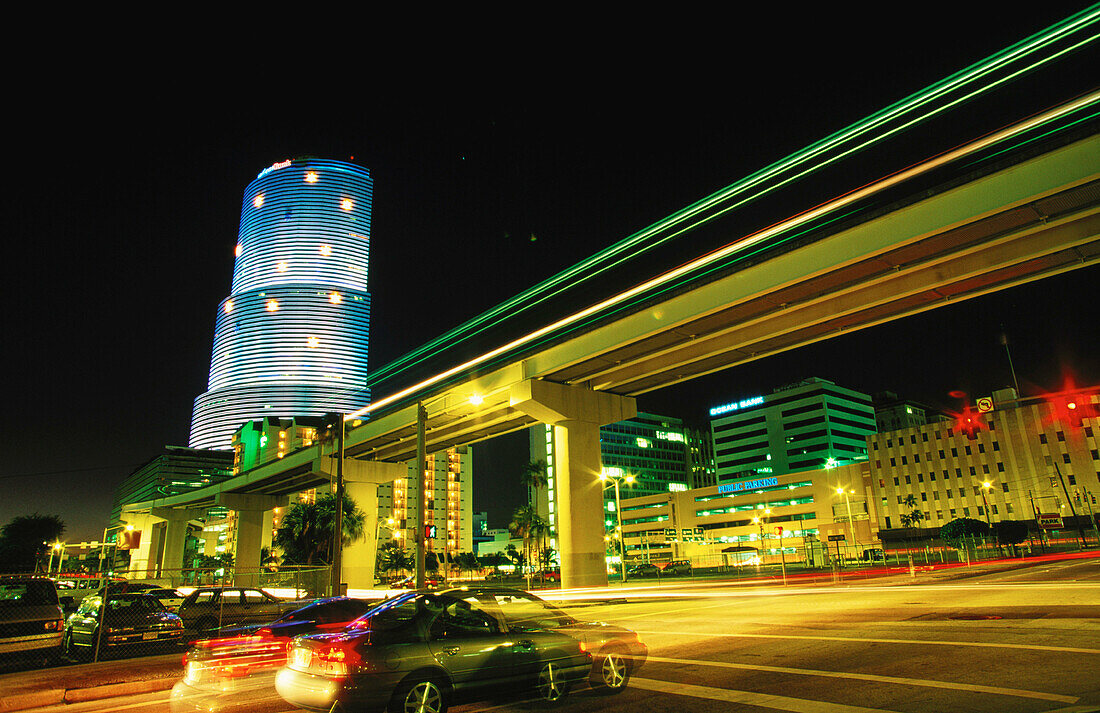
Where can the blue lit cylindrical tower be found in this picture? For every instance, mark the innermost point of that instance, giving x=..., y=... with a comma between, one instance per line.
x=291, y=338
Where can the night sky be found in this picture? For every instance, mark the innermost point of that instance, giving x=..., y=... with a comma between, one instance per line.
x=497, y=162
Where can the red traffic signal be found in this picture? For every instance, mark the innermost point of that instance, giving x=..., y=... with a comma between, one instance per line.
x=779, y=531
x=429, y=532
x=1071, y=406
x=970, y=422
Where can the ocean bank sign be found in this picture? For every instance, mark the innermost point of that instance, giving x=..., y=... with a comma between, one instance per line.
x=748, y=485
x=736, y=405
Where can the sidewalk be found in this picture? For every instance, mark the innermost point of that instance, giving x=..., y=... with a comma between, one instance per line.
x=88, y=682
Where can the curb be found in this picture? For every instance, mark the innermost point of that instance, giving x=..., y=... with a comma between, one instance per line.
x=60, y=696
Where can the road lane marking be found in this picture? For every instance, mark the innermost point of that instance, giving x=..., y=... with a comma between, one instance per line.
x=749, y=698
x=974, y=688
x=978, y=644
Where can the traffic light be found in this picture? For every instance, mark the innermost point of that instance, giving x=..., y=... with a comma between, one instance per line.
x=970, y=422
x=1071, y=406
x=429, y=532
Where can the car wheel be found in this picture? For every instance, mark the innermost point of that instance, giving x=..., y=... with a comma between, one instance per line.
x=610, y=672
x=423, y=695
x=551, y=685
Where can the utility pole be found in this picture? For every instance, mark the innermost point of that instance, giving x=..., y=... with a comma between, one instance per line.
x=1035, y=512
x=1073, y=511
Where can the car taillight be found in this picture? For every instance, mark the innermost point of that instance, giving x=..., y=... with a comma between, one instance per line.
x=263, y=633
x=332, y=660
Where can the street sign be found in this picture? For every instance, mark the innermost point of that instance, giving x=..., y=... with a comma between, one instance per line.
x=836, y=538
x=985, y=404
x=698, y=531
x=1050, y=521
x=670, y=532
x=686, y=532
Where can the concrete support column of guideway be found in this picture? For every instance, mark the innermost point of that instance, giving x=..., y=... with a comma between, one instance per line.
x=576, y=414
x=250, y=511
x=143, y=558
x=361, y=481
x=175, y=536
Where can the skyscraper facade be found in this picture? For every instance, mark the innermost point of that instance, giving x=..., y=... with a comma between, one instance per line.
x=291, y=337
x=809, y=424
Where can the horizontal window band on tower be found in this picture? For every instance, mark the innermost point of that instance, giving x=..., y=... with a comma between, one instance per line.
x=291, y=339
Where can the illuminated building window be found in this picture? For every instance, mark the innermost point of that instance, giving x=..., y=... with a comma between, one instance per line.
x=281, y=267
x=326, y=250
x=335, y=298
x=347, y=204
x=313, y=342
x=311, y=177
x=228, y=306
x=258, y=200
x=272, y=305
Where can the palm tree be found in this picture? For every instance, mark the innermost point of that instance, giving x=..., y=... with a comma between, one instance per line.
x=528, y=526
x=392, y=558
x=305, y=534
x=467, y=561
x=534, y=477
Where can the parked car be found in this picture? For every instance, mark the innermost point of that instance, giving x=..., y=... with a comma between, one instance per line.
x=677, y=567
x=550, y=575
x=131, y=620
x=170, y=598
x=31, y=623
x=423, y=651
x=220, y=674
x=644, y=569
x=210, y=608
x=72, y=590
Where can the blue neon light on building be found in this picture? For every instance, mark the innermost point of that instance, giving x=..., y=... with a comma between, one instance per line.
x=291, y=338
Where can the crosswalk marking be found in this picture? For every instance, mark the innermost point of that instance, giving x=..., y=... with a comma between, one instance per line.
x=974, y=688
x=749, y=698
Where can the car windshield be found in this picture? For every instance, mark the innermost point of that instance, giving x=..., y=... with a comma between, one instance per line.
x=524, y=611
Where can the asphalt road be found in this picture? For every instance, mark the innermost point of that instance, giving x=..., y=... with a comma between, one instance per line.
x=1023, y=640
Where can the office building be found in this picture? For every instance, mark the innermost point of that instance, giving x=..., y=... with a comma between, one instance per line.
x=1026, y=457
x=809, y=424
x=893, y=412
x=174, y=471
x=743, y=522
x=291, y=337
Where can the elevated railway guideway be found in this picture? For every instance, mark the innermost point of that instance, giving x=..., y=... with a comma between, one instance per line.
x=1030, y=217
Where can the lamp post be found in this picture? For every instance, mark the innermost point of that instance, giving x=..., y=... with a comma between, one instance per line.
x=58, y=547
x=985, y=488
x=760, y=524
x=615, y=478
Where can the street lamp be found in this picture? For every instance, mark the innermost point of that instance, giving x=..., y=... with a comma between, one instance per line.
x=58, y=547
x=848, y=504
x=615, y=478
x=985, y=488
x=760, y=524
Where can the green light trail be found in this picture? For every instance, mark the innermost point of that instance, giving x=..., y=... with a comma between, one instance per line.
x=951, y=92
